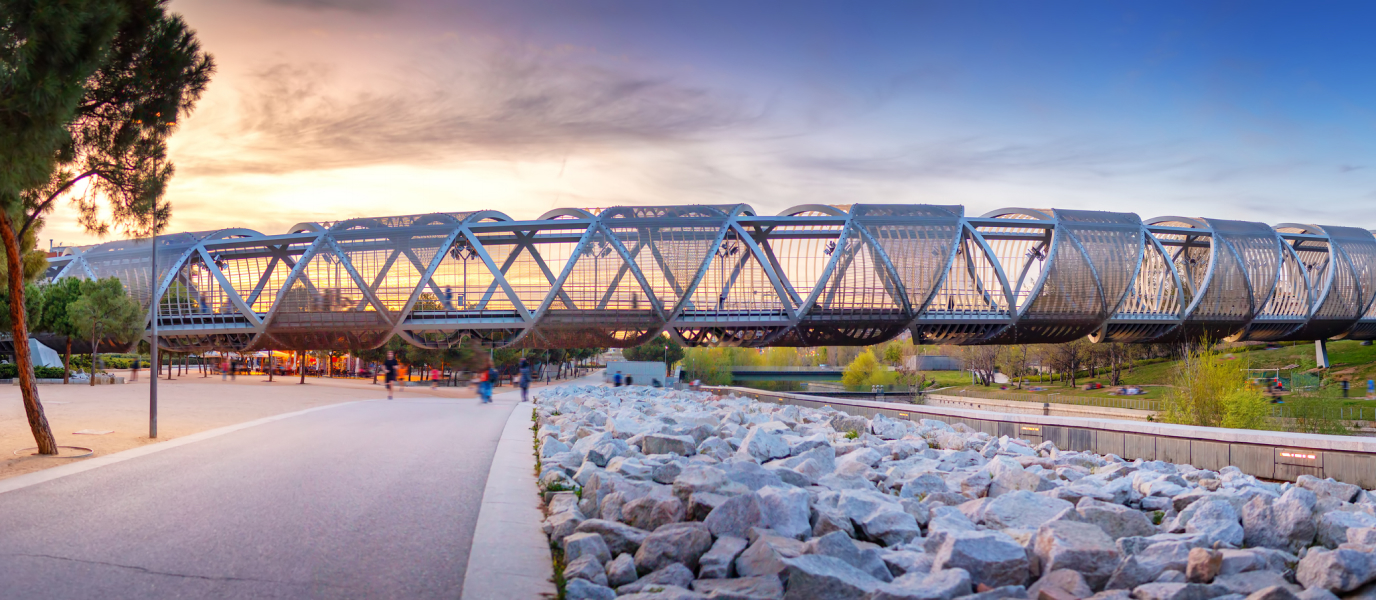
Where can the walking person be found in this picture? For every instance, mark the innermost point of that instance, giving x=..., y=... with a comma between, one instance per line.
x=390, y=367
x=616, y=379
x=434, y=378
x=487, y=378
x=525, y=377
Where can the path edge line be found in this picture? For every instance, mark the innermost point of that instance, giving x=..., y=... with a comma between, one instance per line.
x=19, y=482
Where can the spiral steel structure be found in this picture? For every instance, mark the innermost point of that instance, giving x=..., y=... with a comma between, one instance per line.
x=722, y=275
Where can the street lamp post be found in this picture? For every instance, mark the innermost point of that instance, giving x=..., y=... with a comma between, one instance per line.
x=153, y=284
x=153, y=345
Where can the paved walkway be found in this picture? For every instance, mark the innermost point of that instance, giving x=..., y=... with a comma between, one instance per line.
x=372, y=499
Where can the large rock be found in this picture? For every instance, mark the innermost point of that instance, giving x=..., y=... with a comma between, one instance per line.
x=1333, y=525
x=1254, y=559
x=668, y=592
x=716, y=447
x=941, y=585
x=889, y=526
x=1006, y=475
x=1115, y=520
x=762, y=445
x=1286, y=523
x=1217, y=521
x=551, y=446
x=560, y=525
x=605, y=451
x=582, y=589
x=1341, y=570
x=699, y=478
x=923, y=485
x=1277, y=592
x=1328, y=488
x=1063, y=580
x=619, y=537
x=1203, y=566
x=1145, y=565
x=860, y=460
x=991, y=559
x=660, y=443
x=751, y=475
x=829, y=519
x=586, y=567
x=785, y=510
x=1021, y=509
x=678, y=542
x=1177, y=591
x=1081, y=547
x=903, y=562
x=813, y=576
x=718, y=562
x=653, y=511
x=581, y=544
x=735, y=516
x=1251, y=583
x=701, y=504
x=665, y=473
x=621, y=571
x=673, y=574
x=838, y=545
x=766, y=555
x=742, y=588
x=844, y=423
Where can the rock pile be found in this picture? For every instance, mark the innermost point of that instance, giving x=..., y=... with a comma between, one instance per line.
x=660, y=494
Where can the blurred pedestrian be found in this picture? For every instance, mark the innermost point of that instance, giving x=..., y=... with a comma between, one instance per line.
x=525, y=376
x=485, y=381
x=390, y=368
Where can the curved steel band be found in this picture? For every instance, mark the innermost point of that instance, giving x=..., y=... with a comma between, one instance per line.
x=722, y=275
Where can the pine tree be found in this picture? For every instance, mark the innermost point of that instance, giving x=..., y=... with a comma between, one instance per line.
x=89, y=90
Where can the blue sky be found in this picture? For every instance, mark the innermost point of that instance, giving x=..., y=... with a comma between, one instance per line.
x=335, y=108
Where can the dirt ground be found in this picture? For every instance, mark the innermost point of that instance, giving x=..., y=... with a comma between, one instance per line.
x=187, y=404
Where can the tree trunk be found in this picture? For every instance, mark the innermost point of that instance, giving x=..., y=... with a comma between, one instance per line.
x=93, y=361
x=67, y=363
x=272, y=359
x=19, y=330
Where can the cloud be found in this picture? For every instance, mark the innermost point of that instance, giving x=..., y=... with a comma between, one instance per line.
x=296, y=117
x=980, y=158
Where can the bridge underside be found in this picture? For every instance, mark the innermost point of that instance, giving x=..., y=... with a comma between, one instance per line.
x=724, y=276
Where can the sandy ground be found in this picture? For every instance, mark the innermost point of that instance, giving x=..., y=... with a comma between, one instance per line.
x=187, y=404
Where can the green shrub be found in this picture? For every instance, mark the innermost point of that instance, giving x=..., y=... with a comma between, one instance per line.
x=861, y=371
x=1211, y=392
x=48, y=372
x=11, y=371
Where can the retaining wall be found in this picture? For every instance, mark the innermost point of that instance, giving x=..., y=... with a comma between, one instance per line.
x=1266, y=454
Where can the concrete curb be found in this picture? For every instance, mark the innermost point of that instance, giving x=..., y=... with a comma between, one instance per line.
x=510, y=557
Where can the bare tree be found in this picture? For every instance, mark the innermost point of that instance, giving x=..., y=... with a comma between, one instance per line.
x=1071, y=357
x=1019, y=356
x=1117, y=354
x=983, y=361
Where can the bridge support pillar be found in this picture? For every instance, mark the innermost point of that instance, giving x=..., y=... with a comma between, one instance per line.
x=1321, y=353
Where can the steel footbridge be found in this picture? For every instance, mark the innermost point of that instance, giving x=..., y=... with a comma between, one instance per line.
x=724, y=275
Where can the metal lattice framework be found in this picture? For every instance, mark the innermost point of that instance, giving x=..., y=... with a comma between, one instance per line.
x=722, y=275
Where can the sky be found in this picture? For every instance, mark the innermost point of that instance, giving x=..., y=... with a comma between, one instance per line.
x=331, y=109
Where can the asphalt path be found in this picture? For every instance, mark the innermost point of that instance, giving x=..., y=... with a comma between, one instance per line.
x=375, y=499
